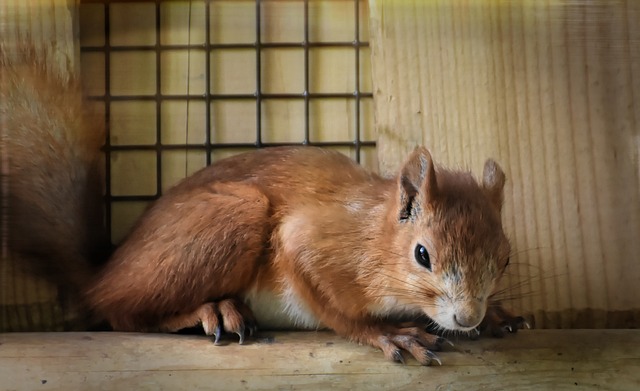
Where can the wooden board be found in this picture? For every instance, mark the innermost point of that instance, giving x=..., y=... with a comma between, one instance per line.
x=551, y=90
x=532, y=360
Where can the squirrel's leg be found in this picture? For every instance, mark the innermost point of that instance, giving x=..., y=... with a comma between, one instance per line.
x=187, y=261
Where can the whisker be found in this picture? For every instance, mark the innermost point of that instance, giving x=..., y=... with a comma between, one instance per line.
x=419, y=284
x=526, y=250
x=511, y=287
x=512, y=298
x=526, y=282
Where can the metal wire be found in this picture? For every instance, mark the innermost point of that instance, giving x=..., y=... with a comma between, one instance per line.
x=188, y=99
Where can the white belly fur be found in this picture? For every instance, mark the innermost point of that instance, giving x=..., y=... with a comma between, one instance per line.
x=281, y=311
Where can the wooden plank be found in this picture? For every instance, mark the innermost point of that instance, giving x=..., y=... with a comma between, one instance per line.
x=532, y=360
x=550, y=89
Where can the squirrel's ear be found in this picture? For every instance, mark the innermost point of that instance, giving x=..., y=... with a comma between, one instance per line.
x=417, y=179
x=493, y=180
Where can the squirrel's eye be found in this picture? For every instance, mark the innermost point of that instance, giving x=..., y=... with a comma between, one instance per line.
x=422, y=256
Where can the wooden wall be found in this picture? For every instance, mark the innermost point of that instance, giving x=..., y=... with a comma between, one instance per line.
x=551, y=89
x=50, y=25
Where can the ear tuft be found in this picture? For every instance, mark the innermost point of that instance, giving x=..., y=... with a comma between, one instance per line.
x=417, y=180
x=493, y=180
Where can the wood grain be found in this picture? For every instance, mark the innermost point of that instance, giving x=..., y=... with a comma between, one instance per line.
x=532, y=360
x=551, y=89
x=49, y=25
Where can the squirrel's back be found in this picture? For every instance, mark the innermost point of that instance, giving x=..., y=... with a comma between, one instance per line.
x=287, y=175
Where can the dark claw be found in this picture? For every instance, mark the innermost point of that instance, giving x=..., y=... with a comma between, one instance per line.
x=432, y=357
x=241, y=334
x=440, y=341
x=513, y=325
x=398, y=357
x=520, y=323
x=505, y=326
x=217, y=333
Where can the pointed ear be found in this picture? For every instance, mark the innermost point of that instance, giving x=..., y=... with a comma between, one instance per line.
x=493, y=180
x=417, y=180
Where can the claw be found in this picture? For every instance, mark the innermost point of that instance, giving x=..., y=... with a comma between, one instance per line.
x=216, y=334
x=432, y=356
x=398, y=357
x=442, y=340
x=520, y=322
x=240, y=333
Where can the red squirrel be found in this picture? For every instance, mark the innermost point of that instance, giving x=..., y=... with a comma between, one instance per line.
x=291, y=237
x=306, y=238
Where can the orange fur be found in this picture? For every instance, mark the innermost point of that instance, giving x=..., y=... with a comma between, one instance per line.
x=299, y=236
x=333, y=242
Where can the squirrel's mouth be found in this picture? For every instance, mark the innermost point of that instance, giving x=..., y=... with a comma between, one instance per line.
x=462, y=315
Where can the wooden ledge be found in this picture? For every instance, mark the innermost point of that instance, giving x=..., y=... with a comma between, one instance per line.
x=530, y=360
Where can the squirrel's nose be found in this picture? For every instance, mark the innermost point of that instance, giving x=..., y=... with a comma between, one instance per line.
x=465, y=321
x=469, y=316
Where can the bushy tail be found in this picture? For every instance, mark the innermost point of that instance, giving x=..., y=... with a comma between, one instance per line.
x=51, y=170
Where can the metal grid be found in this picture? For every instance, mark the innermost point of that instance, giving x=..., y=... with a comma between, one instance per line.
x=208, y=97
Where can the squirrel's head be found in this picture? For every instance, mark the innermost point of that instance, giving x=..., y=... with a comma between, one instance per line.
x=447, y=249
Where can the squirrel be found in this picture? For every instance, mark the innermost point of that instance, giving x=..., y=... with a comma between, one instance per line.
x=282, y=237
x=303, y=237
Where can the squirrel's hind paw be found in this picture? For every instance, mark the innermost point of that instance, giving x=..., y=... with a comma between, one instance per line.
x=237, y=318
x=228, y=315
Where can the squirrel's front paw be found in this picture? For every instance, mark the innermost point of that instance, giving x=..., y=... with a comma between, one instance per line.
x=500, y=321
x=393, y=340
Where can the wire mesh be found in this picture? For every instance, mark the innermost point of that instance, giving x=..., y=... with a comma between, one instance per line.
x=111, y=96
